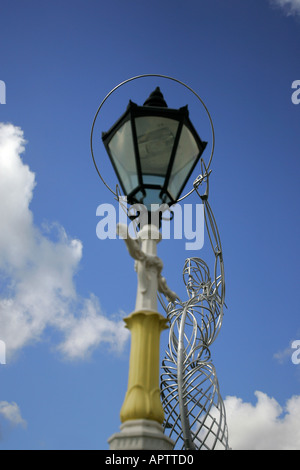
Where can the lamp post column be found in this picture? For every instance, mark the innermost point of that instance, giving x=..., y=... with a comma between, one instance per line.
x=142, y=413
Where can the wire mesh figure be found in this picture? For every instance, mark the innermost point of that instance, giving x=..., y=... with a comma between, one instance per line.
x=194, y=410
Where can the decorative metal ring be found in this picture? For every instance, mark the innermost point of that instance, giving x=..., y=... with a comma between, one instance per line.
x=144, y=76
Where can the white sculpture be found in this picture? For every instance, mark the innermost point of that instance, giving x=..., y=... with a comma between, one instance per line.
x=147, y=265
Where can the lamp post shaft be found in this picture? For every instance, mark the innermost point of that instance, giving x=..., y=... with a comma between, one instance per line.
x=142, y=413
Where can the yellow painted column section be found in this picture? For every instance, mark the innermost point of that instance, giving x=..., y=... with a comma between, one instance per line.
x=142, y=400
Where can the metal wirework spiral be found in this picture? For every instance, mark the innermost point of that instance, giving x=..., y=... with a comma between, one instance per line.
x=194, y=410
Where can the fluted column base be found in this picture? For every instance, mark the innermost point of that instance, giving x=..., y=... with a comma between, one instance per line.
x=142, y=400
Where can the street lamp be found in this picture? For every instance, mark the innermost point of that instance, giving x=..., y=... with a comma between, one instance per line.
x=154, y=150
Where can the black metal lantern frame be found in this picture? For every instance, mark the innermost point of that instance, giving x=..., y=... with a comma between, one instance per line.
x=155, y=181
x=204, y=166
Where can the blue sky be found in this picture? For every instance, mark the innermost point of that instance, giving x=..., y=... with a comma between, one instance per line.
x=63, y=292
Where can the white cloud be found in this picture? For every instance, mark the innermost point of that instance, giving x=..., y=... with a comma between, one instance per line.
x=290, y=7
x=88, y=331
x=37, y=269
x=284, y=355
x=11, y=412
x=265, y=425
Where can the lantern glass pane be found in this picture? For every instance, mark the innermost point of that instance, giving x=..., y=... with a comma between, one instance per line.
x=122, y=152
x=155, y=136
x=186, y=155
